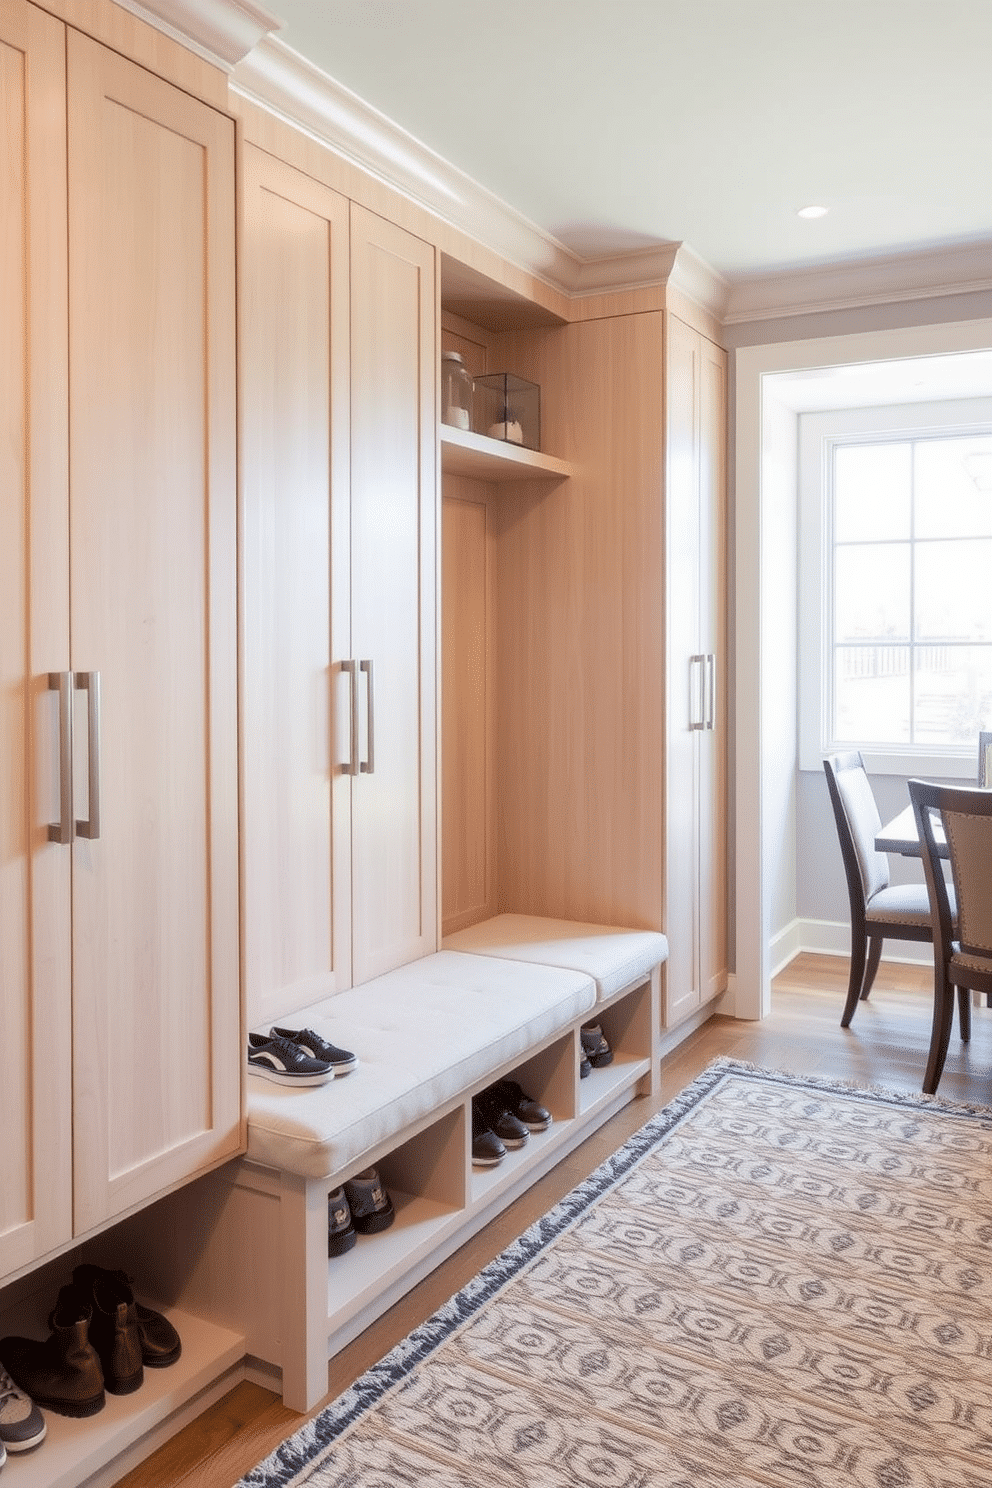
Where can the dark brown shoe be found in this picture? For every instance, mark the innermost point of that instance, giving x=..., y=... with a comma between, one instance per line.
x=62, y=1374
x=114, y=1333
x=160, y=1343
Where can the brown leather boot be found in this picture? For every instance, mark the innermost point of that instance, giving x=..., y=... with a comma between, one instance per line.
x=63, y=1373
x=114, y=1333
x=160, y=1343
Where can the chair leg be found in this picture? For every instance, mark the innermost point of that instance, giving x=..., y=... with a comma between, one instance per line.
x=964, y=1012
x=943, y=1013
x=874, y=957
x=856, y=979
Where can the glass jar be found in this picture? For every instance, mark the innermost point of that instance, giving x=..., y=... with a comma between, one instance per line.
x=456, y=391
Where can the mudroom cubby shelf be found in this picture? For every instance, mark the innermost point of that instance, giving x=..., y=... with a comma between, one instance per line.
x=466, y=453
x=99, y=1449
x=441, y=1200
x=266, y=1270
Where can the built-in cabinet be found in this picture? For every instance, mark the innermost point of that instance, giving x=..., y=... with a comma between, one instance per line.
x=119, y=886
x=584, y=710
x=340, y=539
x=582, y=714
x=695, y=670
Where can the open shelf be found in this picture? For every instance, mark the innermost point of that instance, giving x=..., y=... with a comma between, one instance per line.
x=601, y=1086
x=375, y=1262
x=465, y=453
x=73, y=1451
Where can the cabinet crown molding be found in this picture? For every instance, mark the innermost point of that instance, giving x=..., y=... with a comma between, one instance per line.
x=278, y=79
x=956, y=269
x=221, y=31
x=238, y=36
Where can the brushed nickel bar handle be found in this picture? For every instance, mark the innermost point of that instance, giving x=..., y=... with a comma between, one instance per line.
x=711, y=701
x=348, y=667
x=63, y=830
x=697, y=687
x=368, y=767
x=89, y=682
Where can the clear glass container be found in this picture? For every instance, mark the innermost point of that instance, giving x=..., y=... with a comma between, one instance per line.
x=508, y=408
x=456, y=391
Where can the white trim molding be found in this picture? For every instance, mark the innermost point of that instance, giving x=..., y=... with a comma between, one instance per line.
x=279, y=80
x=237, y=35
x=221, y=31
x=962, y=269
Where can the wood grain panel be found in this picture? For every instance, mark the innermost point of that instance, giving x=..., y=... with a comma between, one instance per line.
x=684, y=676
x=35, y=1159
x=296, y=601
x=581, y=634
x=123, y=31
x=468, y=858
x=156, y=1006
x=395, y=534
x=695, y=843
x=510, y=293
x=714, y=888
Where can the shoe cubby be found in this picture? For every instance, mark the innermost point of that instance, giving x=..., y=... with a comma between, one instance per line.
x=548, y=1077
x=628, y=1023
x=247, y=1246
x=97, y=1450
x=425, y=1179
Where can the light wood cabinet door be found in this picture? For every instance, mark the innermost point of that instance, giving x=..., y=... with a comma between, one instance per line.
x=713, y=642
x=695, y=732
x=156, y=1009
x=394, y=534
x=35, y=1158
x=296, y=608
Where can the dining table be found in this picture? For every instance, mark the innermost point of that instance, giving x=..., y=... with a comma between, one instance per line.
x=900, y=836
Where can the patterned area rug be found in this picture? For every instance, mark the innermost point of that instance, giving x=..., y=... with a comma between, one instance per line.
x=778, y=1280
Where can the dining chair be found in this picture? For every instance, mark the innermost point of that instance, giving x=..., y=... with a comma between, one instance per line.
x=985, y=760
x=962, y=951
x=880, y=910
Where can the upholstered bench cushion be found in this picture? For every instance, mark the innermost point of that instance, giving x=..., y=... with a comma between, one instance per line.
x=613, y=958
x=423, y=1034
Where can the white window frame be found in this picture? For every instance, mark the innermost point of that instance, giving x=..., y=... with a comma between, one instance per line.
x=819, y=434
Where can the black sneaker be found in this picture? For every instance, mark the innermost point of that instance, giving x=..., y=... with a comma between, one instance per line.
x=594, y=1045
x=341, y=1234
x=500, y=1119
x=487, y=1149
x=285, y=1062
x=370, y=1205
x=535, y=1117
x=342, y=1061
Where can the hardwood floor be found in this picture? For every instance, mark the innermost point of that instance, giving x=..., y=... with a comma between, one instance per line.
x=886, y=1045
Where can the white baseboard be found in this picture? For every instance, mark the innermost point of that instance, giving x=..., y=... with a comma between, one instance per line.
x=833, y=938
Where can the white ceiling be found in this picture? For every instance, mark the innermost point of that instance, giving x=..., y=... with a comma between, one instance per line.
x=613, y=125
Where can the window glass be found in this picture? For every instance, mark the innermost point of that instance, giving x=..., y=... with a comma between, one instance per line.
x=910, y=619
x=952, y=584
x=872, y=489
x=872, y=695
x=953, y=692
x=872, y=592
x=953, y=487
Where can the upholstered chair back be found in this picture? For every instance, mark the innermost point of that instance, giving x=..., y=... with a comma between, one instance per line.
x=969, y=838
x=863, y=822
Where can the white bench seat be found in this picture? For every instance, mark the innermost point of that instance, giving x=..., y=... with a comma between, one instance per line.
x=613, y=958
x=505, y=999
x=423, y=1034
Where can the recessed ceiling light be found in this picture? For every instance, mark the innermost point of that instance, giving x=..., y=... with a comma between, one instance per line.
x=812, y=211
